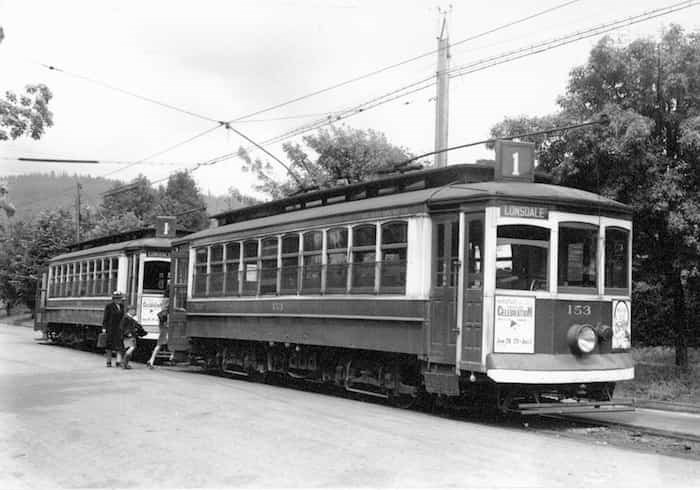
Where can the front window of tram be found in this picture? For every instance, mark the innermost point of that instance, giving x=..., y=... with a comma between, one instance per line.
x=521, y=257
x=578, y=248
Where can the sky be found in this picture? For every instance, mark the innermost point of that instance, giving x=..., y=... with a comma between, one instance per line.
x=221, y=60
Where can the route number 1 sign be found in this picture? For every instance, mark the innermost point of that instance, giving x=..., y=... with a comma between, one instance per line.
x=515, y=161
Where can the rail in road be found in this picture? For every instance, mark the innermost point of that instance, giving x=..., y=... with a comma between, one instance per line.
x=673, y=424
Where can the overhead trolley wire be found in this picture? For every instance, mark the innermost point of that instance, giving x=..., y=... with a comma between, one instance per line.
x=455, y=72
x=127, y=92
x=400, y=63
x=474, y=67
x=276, y=106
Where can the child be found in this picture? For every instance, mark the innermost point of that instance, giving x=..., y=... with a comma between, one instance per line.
x=131, y=330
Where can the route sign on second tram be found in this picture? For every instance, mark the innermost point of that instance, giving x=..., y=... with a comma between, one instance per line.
x=515, y=161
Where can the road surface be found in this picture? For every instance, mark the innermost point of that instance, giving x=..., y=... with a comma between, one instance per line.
x=67, y=421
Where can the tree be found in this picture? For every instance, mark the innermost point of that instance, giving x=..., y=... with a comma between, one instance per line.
x=25, y=114
x=648, y=156
x=26, y=251
x=137, y=197
x=342, y=155
x=113, y=225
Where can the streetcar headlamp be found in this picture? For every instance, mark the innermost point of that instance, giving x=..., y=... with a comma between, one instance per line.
x=582, y=339
x=621, y=325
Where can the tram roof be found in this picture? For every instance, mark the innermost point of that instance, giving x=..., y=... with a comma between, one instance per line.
x=425, y=200
x=150, y=243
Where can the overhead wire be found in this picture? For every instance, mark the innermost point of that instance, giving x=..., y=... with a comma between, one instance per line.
x=455, y=72
x=400, y=63
x=248, y=116
x=127, y=92
x=477, y=66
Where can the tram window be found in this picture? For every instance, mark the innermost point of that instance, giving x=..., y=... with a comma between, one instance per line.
x=180, y=289
x=113, y=274
x=616, y=258
x=200, y=271
x=69, y=287
x=91, y=278
x=474, y=248
x=216, y=270
x=290, y=264
x=578, y=244
x=521, y=257
x=250, y=268
x=364, y=257
x=98, y=277
x=337, y=260
x=155, y=276
x=394, y=253
x=233, y=260
x=82, y=268
x=311, y=272
x=268, y=270
x=447, y=254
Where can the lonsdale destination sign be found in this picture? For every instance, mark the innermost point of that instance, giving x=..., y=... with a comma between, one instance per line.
x=533, y=212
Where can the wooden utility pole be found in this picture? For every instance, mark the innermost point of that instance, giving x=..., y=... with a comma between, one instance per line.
x=77, y=213
x=442, y=97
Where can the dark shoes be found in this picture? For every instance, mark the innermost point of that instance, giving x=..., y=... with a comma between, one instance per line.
x=109, y=364
x=150, y=365
x=126, y=366
x=119, y=364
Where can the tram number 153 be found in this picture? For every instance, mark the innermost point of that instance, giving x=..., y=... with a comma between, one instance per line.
x=579, y=310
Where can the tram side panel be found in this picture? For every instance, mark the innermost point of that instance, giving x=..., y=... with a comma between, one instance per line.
x=380, y=325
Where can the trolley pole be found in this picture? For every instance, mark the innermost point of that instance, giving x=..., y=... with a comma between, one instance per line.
x=442, y=95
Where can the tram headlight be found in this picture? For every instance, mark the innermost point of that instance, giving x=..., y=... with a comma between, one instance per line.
x=621, y=325
x=582, y=339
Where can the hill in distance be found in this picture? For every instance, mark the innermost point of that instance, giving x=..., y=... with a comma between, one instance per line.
x=35, y=192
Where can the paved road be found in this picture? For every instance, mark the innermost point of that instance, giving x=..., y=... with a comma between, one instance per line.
x=67, y=421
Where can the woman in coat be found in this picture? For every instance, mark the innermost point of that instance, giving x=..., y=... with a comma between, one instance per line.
x=111, y=319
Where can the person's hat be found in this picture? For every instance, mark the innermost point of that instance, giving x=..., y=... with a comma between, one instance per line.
x=117, y=294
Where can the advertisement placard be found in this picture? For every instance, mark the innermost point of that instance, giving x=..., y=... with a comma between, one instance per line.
x=150, y=306
x=514, y=330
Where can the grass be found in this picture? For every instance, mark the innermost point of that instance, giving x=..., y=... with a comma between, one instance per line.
x=658, y=378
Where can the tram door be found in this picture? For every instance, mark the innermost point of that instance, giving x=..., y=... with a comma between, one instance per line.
x=177, y=341
x=473, y=290
x=443, y=293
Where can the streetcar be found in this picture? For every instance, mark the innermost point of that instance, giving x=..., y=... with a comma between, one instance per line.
x=78, y=284
x=464, y=282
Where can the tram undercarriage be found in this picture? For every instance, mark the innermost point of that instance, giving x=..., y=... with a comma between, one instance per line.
x=381, y=375
x=394, y=377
